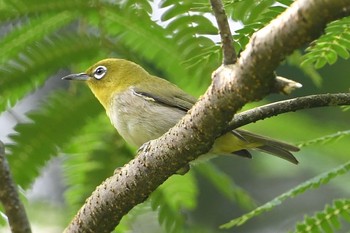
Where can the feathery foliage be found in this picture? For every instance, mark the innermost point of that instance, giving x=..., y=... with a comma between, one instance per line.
x=310, y=184
x=335, y=42
x=253, y=15
x=296, y=59
x=226, y=185
x=27, y=32
x=30, y=69
x=32, y=148
x=172, y=199
x=326, y=139
x=87, y=166
x=15, y=9
x=250, y=11
x=327, y=220
x=188, y=29
x=129, y=222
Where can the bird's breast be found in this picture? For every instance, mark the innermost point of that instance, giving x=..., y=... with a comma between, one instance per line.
x=139, y=120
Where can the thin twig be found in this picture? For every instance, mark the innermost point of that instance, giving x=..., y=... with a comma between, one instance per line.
x=14, y=208
x=229, y=54
x=291, y=105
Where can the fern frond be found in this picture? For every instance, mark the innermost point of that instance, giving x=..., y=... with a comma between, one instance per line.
x=254, y=15
x=143, y=37
x=37, y=141
x=14, y=9
x=296, y=59
x=177, y=195
x=326, y=139
x=130, y=222
x=226, y=185
x=326, y=220
x=326, y=49
x=250, y=11
x=187, y=26
x=85, y=167
x=25, y=34
x=310, y=184
x=242, y=36
x=25, y=72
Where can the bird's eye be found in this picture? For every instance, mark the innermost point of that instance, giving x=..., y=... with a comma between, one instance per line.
x=100, y=71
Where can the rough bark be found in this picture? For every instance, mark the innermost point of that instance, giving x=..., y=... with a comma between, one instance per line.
x=9, y=198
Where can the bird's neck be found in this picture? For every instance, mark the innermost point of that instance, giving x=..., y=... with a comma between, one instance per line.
x=103, y=95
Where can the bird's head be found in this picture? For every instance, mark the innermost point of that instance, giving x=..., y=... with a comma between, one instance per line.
x=109, y=77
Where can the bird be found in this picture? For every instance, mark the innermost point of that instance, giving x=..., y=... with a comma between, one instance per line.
x=142, y=107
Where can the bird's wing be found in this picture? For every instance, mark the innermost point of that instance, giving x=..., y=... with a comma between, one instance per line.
x=171, y=96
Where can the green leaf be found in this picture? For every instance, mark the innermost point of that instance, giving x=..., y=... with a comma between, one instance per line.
x=14, y=9
x=226, y=185
x=147, y=39
x=326, y=139
x=92, y=155
x=321, y=62
x=286, y=2
x=182, y=22
x=313, y=183
x=175, y=10
x=332, y=216
x=130, y=221
x=341, y=50
x=331, y=56
x=335, y=42
x=311, y=222
x=37, y=141
x=306, y=66
x=32, y=31
x=325, y=226
x=250, y=11
x=327, y=220
x=177, y=195
x=30, y=69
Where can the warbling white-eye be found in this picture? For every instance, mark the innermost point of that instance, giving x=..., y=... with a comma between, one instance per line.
x=143, y=107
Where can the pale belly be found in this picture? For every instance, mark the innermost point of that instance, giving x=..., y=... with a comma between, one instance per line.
x=139, y=120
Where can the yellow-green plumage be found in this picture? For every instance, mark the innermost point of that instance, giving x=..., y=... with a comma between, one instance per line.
x=143, y=107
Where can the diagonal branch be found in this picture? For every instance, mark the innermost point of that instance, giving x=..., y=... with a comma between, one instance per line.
x=14, y=208
x=250, y=78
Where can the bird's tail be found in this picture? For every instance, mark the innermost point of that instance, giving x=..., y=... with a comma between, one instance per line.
x=269, y=145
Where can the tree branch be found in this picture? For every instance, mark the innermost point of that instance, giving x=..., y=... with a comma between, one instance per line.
x=229, y=54
x=250, y=78
x=291, y=105
x=14, y=208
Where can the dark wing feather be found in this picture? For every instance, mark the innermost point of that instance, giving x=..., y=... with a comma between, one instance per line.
x=172, y=96
x=271, y=146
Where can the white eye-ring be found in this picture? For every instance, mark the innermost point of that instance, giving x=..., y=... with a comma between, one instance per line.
x=99, y=72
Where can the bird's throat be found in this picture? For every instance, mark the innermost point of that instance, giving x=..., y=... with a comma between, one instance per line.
x=104, y=96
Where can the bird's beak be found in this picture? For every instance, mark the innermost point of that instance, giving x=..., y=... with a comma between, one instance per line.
x=80, y=77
